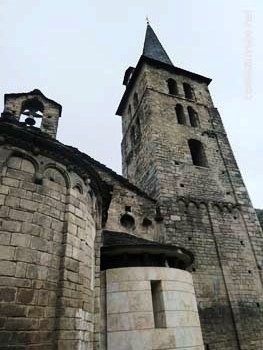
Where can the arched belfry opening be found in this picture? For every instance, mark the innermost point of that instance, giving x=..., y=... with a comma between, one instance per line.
x=193, y=117
x=32, y=112
x=188, y=91
x=172, y=87
x=180, y=114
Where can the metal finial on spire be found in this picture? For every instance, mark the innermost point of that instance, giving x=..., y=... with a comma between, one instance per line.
x=147, y=20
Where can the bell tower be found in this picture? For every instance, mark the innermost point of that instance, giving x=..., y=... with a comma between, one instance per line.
x=175, y=148
x=34, y=110
x=166, y=115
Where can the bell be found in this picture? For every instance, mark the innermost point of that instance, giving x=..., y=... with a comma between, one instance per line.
x=30, y=121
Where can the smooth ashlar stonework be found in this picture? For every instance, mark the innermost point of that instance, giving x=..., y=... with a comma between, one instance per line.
x=130, y=310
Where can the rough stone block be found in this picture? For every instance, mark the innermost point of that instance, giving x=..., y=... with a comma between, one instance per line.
x=26, y=296
x=2, y=199
x=4, y=211
x=20, y=215
x=36, y=312
x=32, y=271
x=21, y=269
x=6, y=253
x=38, y=244
x=5, y=238
x=43, y=297
x=10, y=182
x=21, y=324
x=5, y=337
x=7, y=294
x=27, y=205
x=11, y=226
x=27, y=255
x=31, y=229
x=27, y=166
x=7, y=268
x=20, y=240
x=12, y=310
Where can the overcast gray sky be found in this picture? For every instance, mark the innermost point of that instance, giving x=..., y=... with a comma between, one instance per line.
x=76, y=52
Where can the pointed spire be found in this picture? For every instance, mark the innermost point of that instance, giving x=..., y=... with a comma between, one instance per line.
x=153, y=48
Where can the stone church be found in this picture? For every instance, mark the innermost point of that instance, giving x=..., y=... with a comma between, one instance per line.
x=167, y=256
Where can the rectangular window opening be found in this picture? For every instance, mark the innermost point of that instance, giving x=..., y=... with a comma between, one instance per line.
x=158, y=305
x=197, y=153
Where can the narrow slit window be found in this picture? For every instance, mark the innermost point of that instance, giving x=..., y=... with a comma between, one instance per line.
x=197, y=153
x=133, y=137
x=158, y=305
x=135, y=100
x=180, y=114
x=172, y=87
x=138, y=128
x=129, y=112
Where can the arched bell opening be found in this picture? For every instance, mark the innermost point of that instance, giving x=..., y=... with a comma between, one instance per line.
x=32, y=112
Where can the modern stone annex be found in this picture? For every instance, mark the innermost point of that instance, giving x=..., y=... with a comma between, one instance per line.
x=169, y=256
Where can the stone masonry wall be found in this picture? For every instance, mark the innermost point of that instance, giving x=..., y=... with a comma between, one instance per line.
x=133, y=310
x=129, y=201
x=143, y=210
x=47, y=233
x=205, y=209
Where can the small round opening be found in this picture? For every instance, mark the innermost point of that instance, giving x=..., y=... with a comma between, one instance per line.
x=127, y=221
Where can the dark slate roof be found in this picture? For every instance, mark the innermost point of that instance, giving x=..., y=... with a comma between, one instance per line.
x=121, y=238
x=118, y=243
x=153, y=48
